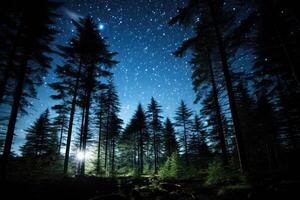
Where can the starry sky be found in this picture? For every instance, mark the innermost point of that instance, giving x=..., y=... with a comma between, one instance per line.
x=138, y=30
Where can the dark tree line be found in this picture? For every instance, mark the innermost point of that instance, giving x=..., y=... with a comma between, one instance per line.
x=262, y=98
x=249, y=114
x=87, y=61
x=27, y=35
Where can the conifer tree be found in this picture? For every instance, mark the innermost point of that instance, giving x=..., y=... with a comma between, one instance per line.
x=198, y=145
x=97, y=60
x=87, y=59
x=155, y=128
x=217, y=19
x=100, y=112
x=139, y=127
x=33, y=61
x=247, y=113
x=275, y=65
x=62, y=110
x=184, y=122
x=40, y=139
x=267, y=149
x=170, y=142
x=112, y=108
x=115, y=129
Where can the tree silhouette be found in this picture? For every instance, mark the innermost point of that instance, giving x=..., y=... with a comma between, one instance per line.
x=215, y=18
x=39, y=139
x=87, y=59
x=155, y=128
x=198, y=147
x=183, y=121
x=68, y=85
x=275, y=59
x=115, y=129
x=96, y=59
x=100, y=112
x=32, y=63
x=170, y=143
x=112, y=122
x=139, y=126
x=62, y=110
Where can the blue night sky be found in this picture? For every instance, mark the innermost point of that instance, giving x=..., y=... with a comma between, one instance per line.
x=138, y=30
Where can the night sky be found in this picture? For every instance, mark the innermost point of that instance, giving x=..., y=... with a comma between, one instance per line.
x=138, y=30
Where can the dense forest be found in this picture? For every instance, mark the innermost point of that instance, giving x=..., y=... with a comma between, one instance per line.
x=244, y=135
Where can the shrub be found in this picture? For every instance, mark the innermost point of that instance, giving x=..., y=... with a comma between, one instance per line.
x=172, y=168
x=217, y=174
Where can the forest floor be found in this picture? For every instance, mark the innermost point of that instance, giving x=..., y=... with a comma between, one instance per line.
x=93, y=188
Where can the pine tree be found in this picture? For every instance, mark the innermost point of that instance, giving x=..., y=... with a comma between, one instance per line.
x=198, y=147
x=209, y=114
x=155, y=128
x=69, y=84
x=39, y=139
x=275, y=60
x=60, y=124
x=19, y=25
x=86, y=60
x=40, y=148
x=203, y=73
x=183, y=121
x=62, y=110
x=127, y=147
x=33, y=63
x=101, y=110
x=97, y=60
x=132, y=143
x=112, y=108
x=267, y=149
x=139, y=126
x=115, y=130
x=247, y=113
x=216, y=19
x=170, y=142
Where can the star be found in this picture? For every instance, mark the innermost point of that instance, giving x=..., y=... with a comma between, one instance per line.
x=101, y=26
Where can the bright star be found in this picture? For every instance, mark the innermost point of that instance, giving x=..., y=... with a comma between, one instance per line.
x=101, y=26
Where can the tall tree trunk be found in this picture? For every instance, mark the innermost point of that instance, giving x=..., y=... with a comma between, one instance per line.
x=10, y=65
x=199, y=144
x=113, y=158
x=133, y=153
x=13, y=116
x=155, y=151
x=72, y=113
x=218, y=114
x=80, y=138
x=168, y=146
x=141, y=153
x=231, y=97
x=61, y=135
x=136, y=156
x=85, y=130
x=3, y=82
x=187, y=161
x=98, y=167
x=285, y=110
x=106, y=141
